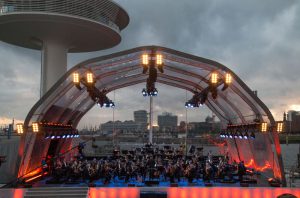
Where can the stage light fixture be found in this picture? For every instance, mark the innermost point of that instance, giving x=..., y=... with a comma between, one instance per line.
x=159, y=63
x=159, y=59
x=214, y=78
x=246, y=136
x=89, y=78
x=252, y=135
x=20, y=128
x=145, y=59
x=150, y=92
x=264, y=127
x=64, y=136
x=52, y=137
x=68, y=136
x=231, y=135
x=35, y=127
x=144, y=92
x=228, y=78
x=236, y=135
x=279, y=127
x=76, y=78
x=226, y=135
x=240, y=135
x=145, y=63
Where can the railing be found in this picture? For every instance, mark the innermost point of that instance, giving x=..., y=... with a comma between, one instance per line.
x=101, y=11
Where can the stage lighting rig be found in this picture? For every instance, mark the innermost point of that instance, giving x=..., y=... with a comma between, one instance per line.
x=197, y=100
x=150, y=92
x=215, y=81
x=89, y=81
x=241, y=131
x=152, y=63
x=103, y=101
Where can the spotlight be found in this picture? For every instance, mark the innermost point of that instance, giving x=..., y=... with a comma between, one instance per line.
x=145, y=62
x=144, y=92
x=231, y=135
x=35, y=127
x=112, y=104
x=155, y=92
x=240, y=135
x=145, y=59
x=159, y=63
x=264, y=127
x=186, y=105
x=279, y=127
x=76, y=78
x=20, y=128
x=228, y=78
x=246, y=136
x=52, y=137
x=252, y=135
x=58, y=137
x=89, y=78
x=68, y=136
x=226, y=135
x=236, y=135
x=222, y=134
x=214, y=78
x=159, y=59
x=72, y=136
x=47, y=137
x=64, y=136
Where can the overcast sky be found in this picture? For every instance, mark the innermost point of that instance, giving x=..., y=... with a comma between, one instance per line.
x=258, y=40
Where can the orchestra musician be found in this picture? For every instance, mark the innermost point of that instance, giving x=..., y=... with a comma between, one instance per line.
x=148, y=163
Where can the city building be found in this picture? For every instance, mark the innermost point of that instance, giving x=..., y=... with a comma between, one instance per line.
x=167, y=122
x=123, y=127
x=292, y=121
x=139, y=124
x=141, y=118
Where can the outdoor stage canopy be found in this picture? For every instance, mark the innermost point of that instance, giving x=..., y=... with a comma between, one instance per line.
x=64, y=103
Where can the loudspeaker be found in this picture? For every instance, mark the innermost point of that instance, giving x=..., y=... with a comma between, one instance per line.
x=153, y=195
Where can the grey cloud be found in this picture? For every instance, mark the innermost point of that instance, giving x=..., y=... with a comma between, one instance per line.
x=259, y=40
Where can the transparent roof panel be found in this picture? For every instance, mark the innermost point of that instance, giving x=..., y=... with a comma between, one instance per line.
x=181, y=70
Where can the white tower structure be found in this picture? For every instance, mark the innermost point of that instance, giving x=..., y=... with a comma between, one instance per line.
x=60, y=26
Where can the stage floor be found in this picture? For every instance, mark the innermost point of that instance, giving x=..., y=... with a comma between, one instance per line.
x=261, y=182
